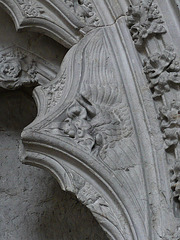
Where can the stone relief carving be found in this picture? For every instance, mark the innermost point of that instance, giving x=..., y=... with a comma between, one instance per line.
x=21, y=68
x=97, y=119
x=84, y=11
x=143, y=21
x=14, y=71
x=175, y=181
x=89, y=196
x=30, y=8
x=162, y=71
x=170, y=124
x=91, y=118
x=79, y=112
x=56, y=88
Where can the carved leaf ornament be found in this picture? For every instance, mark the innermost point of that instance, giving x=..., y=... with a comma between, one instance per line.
x=18, y=68
x=92, y=130
x=170, y=124
x=84, y=11
x=31, y=8
x=144, y=20
x=162, y=69
x=175, y=181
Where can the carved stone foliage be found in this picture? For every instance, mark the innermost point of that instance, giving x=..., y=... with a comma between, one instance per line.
x=84, y=10
x=85, y=122
x=162, y=70
x=54, y=91
x=19, y=67
x=90, y=197
x=144, y=20
x=170, y=124
x=87, y=118
x=175, y=181
x=30, y=8
x=172, y=236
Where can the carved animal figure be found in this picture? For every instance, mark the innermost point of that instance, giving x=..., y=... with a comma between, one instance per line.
x=97, y=119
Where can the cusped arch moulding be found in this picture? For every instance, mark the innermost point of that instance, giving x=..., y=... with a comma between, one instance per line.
x=94, y=130
x=52, y=19
x=85, y=126
x=66, y=21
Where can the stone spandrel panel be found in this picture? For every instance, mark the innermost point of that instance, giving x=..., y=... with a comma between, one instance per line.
x=107, y=126
x=32, y=204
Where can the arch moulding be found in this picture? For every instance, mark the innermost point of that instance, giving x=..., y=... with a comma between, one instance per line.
x=107, y=126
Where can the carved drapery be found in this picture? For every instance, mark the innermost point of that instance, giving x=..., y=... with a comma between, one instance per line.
x=97, y=129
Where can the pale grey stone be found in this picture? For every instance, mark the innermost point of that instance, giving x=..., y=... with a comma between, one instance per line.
x=107, y=124
x=32, y=204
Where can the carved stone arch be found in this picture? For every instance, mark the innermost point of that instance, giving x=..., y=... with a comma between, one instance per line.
x=54, y=20
x=97, y=129
x=45, y=130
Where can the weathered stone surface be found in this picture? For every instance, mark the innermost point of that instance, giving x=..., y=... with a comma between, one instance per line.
x=107, y=124
x=32, y=205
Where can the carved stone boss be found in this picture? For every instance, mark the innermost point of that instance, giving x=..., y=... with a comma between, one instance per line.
x=93, y=129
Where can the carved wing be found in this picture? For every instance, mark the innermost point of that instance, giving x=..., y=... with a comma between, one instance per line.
x=99, y=116
x=112, y=119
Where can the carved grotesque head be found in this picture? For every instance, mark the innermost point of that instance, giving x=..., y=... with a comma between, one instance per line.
x=10, y=70
x=69, y=127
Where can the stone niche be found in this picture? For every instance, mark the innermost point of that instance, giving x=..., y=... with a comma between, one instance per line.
x=32, y=204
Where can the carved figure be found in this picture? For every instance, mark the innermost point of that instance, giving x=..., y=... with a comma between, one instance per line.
x=144, y=20
x=97, y=121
